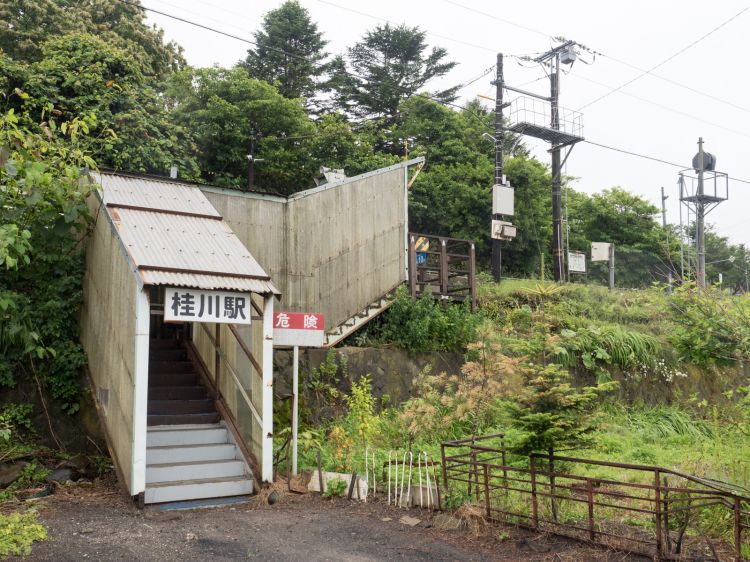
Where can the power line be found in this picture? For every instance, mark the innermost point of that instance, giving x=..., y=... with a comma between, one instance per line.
x=248, y=41
x=447, y=38
x=610, y=57
x=669, y=58
x=664, y=107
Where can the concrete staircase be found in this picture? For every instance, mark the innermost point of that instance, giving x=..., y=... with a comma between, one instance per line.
x=190, y=453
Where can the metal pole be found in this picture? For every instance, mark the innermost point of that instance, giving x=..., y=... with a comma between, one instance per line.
x=700, y=242
x=682, y=234
x=611, y=266
x=497, y=259
x=557, y=246
x=664, y=225
x=295, y=406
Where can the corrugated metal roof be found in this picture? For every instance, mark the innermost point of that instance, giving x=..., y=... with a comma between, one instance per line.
x=176, y=237
x=190, y=251
x=207, y=282
x=154, y=194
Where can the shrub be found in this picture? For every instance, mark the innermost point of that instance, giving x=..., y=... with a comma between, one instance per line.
x=18, y=532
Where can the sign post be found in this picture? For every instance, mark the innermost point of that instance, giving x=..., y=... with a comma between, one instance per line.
x=297, y=329
x=605, y=251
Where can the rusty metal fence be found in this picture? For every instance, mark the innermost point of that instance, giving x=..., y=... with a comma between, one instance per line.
x=446, y=267
x=649, y=510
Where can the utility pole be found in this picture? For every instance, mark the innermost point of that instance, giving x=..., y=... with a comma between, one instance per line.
x=557, y=245
x=497, y=258
x=664, y=225
x=251, y=159
x=700, y=242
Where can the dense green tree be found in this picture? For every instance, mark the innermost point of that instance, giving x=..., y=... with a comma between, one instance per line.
x=223, y=108
x=289, y=52
x=389, y=65
x=44, y=216
x=25, y=25
x=82, y=74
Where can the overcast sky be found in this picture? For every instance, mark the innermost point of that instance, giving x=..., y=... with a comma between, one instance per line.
x=653, y=115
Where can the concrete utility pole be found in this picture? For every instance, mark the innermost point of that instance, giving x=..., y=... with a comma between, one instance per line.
x=700, y=241
x=251, y=164
x=497, y=259
x=557, y=245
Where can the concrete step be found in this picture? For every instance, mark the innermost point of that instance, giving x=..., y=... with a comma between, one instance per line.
x=171, y=435
x=181, y=419
x=164, y=367
x=167, y=354
x=196, y=489
x=203, y=406
x=171, y=472
x=177, y=393
x=190, y=453
x=154, y=343
x=173, y=379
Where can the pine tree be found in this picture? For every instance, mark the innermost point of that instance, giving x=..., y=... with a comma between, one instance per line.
x=289, y=52
x=389, y=65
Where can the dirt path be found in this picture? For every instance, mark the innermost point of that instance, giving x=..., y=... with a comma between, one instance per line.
x=95, y=522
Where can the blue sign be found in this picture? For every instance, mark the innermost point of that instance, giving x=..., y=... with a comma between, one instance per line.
x=421, y=258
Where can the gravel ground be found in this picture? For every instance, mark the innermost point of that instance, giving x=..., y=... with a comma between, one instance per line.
x=96, y=522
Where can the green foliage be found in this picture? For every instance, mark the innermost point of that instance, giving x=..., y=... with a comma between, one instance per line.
x=44, y=195
x=550, y=413
x=425, y=325
x=289, y=52
x=206, y=100
x=387, y=66
x=711, y=327
x=14, y=420
x=335, y=488
x=361, y=416
x=18, y=531
x=28, y=24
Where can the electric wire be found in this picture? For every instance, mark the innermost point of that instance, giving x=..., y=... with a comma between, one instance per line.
x=664, y=107
x=607, y=56
x=669, y=58
x=248, y=41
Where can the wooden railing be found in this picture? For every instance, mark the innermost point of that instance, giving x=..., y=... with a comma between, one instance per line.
x=444, y=266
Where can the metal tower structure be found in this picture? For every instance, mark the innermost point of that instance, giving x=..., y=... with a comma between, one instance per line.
x=702, y=188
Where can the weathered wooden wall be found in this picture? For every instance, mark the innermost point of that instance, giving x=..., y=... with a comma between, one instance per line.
x=333, y=249
x=108, y=329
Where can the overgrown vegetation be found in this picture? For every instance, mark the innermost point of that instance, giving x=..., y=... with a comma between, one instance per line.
x=18, y=531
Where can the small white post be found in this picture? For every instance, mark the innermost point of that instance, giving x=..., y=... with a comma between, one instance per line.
x=140, y=392
x=295, y=407
x=266, y=463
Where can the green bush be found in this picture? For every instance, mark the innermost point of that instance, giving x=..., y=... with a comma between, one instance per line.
x=426, y=325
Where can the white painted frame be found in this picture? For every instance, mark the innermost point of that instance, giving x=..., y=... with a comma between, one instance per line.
x=266, y=463
x=140, y=391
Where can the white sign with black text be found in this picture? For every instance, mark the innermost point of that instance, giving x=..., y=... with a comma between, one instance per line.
x=192, y=305
x=576, y=262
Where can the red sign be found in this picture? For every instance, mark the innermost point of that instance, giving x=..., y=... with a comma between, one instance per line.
x=303, y=329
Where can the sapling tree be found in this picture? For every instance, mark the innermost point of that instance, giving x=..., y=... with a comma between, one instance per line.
x=552, y=414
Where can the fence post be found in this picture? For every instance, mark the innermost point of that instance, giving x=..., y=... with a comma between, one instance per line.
x=737, y=530
x=444, y=267
x=505, y=464
x=412, y=267
x=445, y=466
x=590, y=498
x=487, y=491
x=534, y=505
x=657, y=511
x=473, y=277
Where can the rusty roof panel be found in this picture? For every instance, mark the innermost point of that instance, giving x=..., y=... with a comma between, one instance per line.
x=153, y=194
x=207, y=282
x=190, y=251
